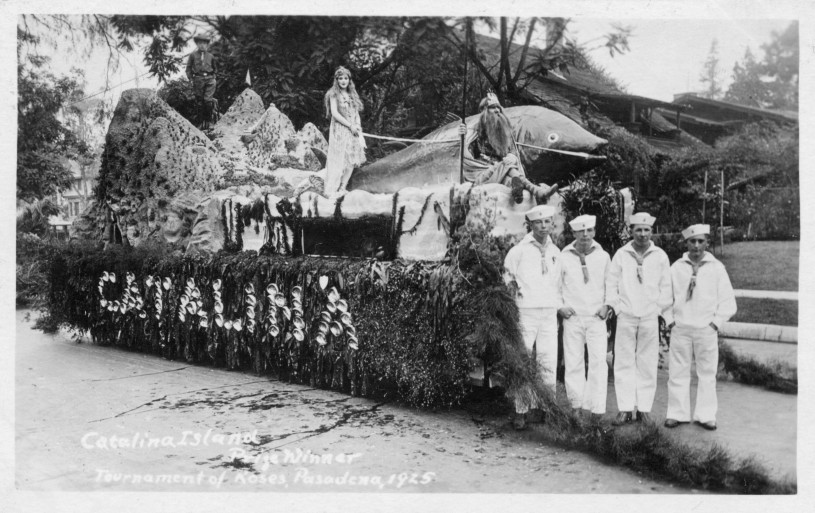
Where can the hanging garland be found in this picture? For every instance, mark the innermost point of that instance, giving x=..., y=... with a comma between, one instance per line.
x=338, y=208
x=270, y=240
x=239, y=226
x=412, y=231
x=396, y=233
x=292, y=218
x=231, y=216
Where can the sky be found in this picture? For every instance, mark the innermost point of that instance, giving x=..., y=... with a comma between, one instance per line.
x=666, y=56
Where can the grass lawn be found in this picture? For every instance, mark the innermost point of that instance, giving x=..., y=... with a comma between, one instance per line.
x=762, y=265
x=766, y=311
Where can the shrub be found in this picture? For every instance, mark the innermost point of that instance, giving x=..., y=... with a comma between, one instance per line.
x=32, y=265
x=630, y=160
x=179, y=95
x=594, y=194
x=681, y=195
x=34, y=217
x=777, y=377
x=765, y=213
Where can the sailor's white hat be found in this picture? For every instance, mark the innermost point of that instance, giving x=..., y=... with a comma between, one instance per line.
x=540, y=212
x=642, y=218
x=583, y=222
x=696, y=229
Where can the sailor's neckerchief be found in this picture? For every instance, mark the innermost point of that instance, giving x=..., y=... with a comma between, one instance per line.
x=542, y=249
x=695, y=266
x=582, y=257
x=640, y=259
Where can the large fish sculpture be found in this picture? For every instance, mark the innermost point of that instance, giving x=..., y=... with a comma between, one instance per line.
x=573, y=151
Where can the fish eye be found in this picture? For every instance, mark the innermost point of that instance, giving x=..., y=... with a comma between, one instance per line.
x=553, y=137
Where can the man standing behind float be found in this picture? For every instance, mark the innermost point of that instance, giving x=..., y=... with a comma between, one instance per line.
x=638, y=290
x=583, y=269
x=703, y=301
x=201, y=69
x=531, y=272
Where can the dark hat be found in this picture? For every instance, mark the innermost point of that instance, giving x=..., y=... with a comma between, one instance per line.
x=202, y=37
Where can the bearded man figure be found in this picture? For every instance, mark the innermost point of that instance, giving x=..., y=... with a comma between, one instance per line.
x=490, y=154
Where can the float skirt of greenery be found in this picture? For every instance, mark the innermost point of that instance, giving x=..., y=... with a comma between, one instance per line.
x=365, y=327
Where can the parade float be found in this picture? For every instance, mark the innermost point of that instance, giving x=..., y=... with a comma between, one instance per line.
x=216, y=253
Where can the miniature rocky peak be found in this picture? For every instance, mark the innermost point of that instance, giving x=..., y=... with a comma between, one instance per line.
x=273, y=143
x=159, y=172
x=151, y=151
x=239, y=119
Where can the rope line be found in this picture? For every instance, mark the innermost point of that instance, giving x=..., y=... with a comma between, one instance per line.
x=401, y=139
x=447, y=141
x=574, y=153
x=106, y=89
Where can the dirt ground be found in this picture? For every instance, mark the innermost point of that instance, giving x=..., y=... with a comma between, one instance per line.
x=92, y=418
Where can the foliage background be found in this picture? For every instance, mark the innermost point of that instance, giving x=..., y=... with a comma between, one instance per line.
x=761, y=189
x=44, y=144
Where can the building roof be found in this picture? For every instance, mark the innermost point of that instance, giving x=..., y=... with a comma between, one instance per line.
x=683, y=117
x=660, y=123
x=778, y=115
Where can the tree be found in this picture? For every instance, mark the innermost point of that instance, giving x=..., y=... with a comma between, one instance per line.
x=44, y=144
x=519, y=64
x=288, y=56
x=403, y=66
x=291, y=59
x=780, y=65
x=747, y=87
x=771, y=83
x=762, y=151
x=81, y=33
x=418, y=73
x=33, y=217
x=711, y=73
x=762, y=191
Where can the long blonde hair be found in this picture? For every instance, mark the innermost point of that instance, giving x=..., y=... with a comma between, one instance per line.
x=335, y=91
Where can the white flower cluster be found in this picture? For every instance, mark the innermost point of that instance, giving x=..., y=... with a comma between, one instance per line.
x=158, y=295
x=334, y=321
x=131, y=299
x=190, y=303
x=279, y=312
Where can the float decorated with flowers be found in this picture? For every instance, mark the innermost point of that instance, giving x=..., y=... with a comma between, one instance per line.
x=208, y=250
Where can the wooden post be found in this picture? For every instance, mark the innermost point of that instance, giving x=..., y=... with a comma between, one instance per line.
x=678, y=124
x=633, y=116
x=721, y=219
x=704, y=198
x=464, y=100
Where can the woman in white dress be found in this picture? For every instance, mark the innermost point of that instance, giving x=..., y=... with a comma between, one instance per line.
x=346, y=147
